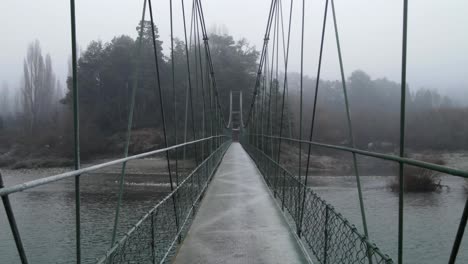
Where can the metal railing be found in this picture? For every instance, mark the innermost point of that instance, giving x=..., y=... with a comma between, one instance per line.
x=327, y=234
x=168, y=220
x=154, y=238
x=265, y=123
x=211, y=148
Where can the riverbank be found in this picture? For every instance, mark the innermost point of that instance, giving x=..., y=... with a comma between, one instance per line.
x=18, y=157
x=322, y=162
x=337, y=163
x=35, y=154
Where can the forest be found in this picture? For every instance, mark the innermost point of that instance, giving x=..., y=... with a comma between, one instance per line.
x=433, y=121
x=105, y=75
x=36, y=118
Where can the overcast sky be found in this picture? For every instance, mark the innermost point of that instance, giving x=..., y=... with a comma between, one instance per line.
x=370, y=31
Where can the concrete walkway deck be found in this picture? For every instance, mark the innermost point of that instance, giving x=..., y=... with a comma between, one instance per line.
x=238, y=221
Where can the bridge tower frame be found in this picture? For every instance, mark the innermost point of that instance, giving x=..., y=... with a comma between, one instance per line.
x=235, y=124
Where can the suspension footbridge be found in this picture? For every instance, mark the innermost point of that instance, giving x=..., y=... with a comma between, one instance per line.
x=239, y=202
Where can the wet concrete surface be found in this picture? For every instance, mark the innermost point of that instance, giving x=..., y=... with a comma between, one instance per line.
x=238, y=221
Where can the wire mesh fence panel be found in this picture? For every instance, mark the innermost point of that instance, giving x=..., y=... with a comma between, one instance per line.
x=155, y=238
x=326, y=233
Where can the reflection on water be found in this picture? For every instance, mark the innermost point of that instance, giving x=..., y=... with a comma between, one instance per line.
x=46, y=215
x=430, y=219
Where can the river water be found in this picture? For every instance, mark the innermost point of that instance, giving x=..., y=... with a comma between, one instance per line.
x=430, y=219
x=46, y=215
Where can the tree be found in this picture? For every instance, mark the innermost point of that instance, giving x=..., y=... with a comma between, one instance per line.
x=38, y=86
x=5, y=105
x=423, y=100
x=235, y=65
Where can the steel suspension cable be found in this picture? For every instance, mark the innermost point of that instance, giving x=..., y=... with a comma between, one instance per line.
x=270, y=123
x=129, y=124
x=187, y=88
x=159, y=91
x=196, y=57
x=314, y=112
x=268, y=78
x=268, y=70
x=189, y=79
x=301, y=99
x=161, y=109
x=263, y=110
x=348, y=117
x=286, y=59
x=270, y=116
x=176, y=152
x=209, y=76
x=285, y=50
x=193, y=47
x=284, y=54
x=275, y=72
x=210, y=61
x=187, y=91
x=210, y=97
x=262, y=57
x=201, y=75
x=174, y=91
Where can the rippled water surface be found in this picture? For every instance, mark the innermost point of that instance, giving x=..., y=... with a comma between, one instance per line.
x=430, y=219
x=46, y=215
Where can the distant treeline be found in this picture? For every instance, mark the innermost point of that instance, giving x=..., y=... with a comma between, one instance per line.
x=433, y=121
x=106, y=74
x=39, y=115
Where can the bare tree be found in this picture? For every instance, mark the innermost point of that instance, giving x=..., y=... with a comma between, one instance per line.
x=59, y=92
x=38, y=86
x=48, y=95
x=5, y=105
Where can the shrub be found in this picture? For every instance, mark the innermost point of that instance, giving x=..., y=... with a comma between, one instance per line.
x=418, y=179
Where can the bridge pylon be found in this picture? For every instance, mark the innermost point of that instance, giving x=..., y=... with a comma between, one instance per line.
x=235, y=122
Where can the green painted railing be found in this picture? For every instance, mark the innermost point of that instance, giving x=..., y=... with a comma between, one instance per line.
x=156, y=236
x=326, y=233
x=171, y=217
x=263, y=133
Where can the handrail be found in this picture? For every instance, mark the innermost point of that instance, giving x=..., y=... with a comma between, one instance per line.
x=31, y=184
x=164, y=200
x=373, y=249
x=413, y=162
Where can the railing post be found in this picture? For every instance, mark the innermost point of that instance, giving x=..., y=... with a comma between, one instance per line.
x=153, y=254
x=298, y=206
x=459, y=236
x=275, y=183
x=76, y=130
x=174, y=197
x=193, y=193
x=402, y=133
x=325, y=245
x=284, y=190
x=13, y=226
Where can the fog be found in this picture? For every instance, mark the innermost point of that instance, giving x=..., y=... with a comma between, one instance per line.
x=136, y=96
x=370, y=33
